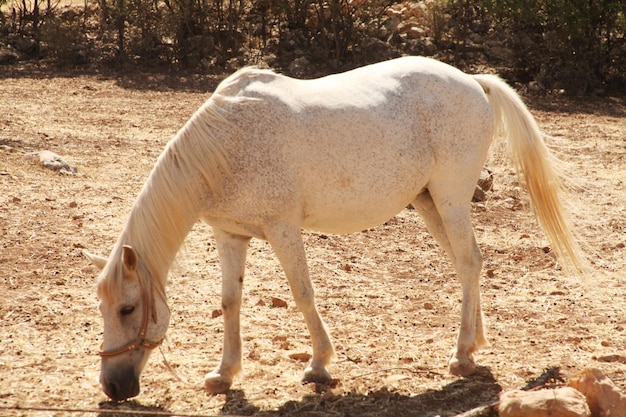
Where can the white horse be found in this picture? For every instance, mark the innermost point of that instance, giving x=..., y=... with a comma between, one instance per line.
x=267, y=156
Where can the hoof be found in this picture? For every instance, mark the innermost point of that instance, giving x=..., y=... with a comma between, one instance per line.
x=217, y=384
x=461, y=367
x=316, y=376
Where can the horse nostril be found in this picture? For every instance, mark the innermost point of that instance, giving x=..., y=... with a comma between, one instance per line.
x=111, y=390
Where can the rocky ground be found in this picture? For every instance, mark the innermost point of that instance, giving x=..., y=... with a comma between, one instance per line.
x=388, y=294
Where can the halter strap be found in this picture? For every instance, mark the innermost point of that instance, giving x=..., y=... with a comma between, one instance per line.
x=140, y=342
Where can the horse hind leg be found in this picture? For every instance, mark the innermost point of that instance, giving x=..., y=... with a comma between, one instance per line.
x=450, y=225
x=286, y=241
x=425, y=206
x=232, y=255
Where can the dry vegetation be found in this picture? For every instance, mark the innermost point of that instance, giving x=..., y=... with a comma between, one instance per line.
x=388, y=294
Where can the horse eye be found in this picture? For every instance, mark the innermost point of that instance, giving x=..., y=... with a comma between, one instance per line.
x=126, y=311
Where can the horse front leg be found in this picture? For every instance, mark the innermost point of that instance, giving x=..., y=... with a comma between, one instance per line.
x=287, y=243
x=231, y=250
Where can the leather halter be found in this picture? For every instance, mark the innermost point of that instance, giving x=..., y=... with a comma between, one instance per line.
x=140, y=342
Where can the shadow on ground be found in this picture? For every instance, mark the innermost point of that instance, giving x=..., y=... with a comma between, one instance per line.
x=455, y=398
x=157, y=79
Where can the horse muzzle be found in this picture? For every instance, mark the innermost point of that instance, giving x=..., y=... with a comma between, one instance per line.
x=120, y=385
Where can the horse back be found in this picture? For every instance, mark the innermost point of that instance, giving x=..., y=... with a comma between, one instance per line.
x=334, y=147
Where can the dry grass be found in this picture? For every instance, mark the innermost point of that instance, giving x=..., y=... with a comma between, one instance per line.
x=388, y=294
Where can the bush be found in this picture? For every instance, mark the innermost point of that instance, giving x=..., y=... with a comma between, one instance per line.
x=62, y=38
x=336, y=33
x=576, y=45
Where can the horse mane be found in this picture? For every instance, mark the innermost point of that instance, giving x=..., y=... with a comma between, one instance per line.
x=169, y=202
x=232, y=85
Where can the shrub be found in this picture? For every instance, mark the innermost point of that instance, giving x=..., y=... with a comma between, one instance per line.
x=577, y=45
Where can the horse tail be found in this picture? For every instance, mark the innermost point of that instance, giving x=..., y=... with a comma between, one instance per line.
x=535, y=165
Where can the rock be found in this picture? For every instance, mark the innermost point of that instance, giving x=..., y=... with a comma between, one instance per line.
x=560, y=402
x=278, y=303
x=485, y=183
x=614, y=357
x=394, y=13
x=26, y=45
x=54, y=162
x=7, y=55
x=479, y=195
x=372, y=49
x=486, y=179
x=7, y=148
x=536, y=87
x=302, y=357
x=603, y=397
x=415, y=33
x=299, y=67
x=403, y=27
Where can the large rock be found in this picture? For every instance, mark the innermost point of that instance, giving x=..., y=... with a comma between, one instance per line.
x=54, y=162
x=560, y=402
x=603, y=397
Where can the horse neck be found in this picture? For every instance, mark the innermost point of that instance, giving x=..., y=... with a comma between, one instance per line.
x=188, y=172
x=162, y=216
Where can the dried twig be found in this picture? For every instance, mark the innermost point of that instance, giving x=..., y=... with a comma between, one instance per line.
x=490, y=410
x=395, y=368
x=549, y=376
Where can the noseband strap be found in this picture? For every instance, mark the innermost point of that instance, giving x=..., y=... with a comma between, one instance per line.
x=141, y=341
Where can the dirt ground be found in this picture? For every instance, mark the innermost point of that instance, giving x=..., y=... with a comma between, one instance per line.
x=388, y=294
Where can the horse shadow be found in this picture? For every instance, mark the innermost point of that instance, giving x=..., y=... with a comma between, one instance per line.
x=455, y=398
x=460, y=396
x=130, y=408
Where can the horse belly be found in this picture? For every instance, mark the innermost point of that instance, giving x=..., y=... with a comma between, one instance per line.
x=345, y=201
x=349, y=219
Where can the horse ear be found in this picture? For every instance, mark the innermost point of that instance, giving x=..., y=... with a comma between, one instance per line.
x=97, y=261
x=129, y=258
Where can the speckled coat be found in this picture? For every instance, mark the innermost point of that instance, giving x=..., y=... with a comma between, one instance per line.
x=268, y=155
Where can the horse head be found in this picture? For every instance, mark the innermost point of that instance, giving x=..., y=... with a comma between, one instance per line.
x=135, y=320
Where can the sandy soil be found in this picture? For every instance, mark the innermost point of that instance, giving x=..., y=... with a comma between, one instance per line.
x=388, y=294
